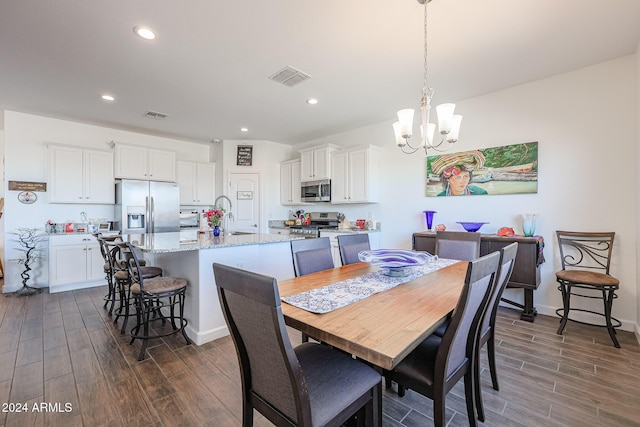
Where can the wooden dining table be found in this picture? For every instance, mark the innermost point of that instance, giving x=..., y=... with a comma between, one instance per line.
x=385, y=327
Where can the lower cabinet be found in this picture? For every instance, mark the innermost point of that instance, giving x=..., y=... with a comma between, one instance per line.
x=75, y=262
x=526, y=269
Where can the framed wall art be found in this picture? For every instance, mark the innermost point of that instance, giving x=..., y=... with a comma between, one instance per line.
x=510, y=169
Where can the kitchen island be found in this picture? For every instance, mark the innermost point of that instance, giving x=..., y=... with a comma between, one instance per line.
x=191, y=255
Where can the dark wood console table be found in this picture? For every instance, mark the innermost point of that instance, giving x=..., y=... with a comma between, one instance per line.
x=526, y=271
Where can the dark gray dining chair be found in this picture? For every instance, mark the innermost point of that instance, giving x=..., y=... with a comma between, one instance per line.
x=486, y=332
x=438, y=363
x=309, y=385
x=350, y=245
x=311, y=255
x=460, y=245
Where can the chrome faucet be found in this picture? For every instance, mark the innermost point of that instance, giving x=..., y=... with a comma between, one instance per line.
x=227, y=216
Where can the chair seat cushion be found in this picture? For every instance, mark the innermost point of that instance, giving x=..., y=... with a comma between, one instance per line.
x=334, y=380
x=587, y=278
x=414, y=368
x=157, y=285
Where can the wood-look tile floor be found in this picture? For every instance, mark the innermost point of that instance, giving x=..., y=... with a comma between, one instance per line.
x=64, y=351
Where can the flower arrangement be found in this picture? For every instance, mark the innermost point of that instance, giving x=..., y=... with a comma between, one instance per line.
x=214, y=216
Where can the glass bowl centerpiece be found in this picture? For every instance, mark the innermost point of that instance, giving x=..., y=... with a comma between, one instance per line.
x=395, y=262
x=472, y=226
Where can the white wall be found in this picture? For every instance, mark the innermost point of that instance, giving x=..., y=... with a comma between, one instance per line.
x=25, y=160
x=637, y=329
x=584, y=122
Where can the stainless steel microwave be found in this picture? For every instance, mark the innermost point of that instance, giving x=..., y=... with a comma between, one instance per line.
x=316, y=191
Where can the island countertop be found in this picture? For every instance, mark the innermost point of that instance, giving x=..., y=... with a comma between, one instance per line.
x=193, y=241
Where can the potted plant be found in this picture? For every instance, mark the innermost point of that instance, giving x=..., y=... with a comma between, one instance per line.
x=28, y=240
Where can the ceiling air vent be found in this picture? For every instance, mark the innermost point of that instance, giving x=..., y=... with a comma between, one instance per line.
x=289, y=76
x=155, y=115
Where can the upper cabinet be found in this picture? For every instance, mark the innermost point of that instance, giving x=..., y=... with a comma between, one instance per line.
x=290, y=182
x=196, y=182
x=134, y=162
x=80, y=175
x=354, y=173
x=315, y=163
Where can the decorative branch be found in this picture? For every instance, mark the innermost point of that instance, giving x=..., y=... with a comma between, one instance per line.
x=28, y=239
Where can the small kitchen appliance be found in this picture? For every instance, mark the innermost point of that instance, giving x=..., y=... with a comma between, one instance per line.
x=316, y=191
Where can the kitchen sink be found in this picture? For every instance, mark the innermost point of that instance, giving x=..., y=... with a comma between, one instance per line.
x=239, y=233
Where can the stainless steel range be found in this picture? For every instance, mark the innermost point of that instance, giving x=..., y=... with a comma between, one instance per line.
x=319, y=221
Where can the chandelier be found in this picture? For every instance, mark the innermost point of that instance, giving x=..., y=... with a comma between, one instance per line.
x=448, y=123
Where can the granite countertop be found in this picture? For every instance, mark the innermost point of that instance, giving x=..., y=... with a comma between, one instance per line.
x=193, y=241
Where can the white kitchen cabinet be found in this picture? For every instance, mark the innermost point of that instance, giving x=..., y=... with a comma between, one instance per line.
x=80, y=175
x=354, y=174
x=134, y=162
x=75, y=262
x=290, y=183
x=315, y=163
x=196, y=182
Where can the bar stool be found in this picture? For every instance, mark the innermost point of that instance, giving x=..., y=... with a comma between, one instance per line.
x=118, y=257
x=586, y=258
x=151, y=296
x=108, y=271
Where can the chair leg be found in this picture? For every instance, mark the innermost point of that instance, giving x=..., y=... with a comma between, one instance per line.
x=401, y=390
x=477, y=388
x=145, y=327
x=439, y=412
x=607, y=296
x=182, y=325
x=491, y=353
x=247, y=414
x=469, y=397
x=566, y=295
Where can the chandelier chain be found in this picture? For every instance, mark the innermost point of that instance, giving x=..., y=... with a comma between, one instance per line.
x=426, y=86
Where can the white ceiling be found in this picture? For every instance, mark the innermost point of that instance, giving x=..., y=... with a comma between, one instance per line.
x=208, y=68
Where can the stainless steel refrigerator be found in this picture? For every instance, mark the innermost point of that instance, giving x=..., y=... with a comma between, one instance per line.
x=147, y=206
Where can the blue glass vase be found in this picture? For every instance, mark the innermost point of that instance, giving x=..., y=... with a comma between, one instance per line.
x=429, y=215
x=216, y=230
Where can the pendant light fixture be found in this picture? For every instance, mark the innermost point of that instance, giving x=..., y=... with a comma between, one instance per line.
x=448, y=123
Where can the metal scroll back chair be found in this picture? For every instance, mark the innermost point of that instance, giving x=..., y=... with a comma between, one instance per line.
x=460, y=245
x=310, y=385
x=438, y=363
x=350, y=245
x=155, y=295
x=586, y=258
x=311, y=255
x=108, y=270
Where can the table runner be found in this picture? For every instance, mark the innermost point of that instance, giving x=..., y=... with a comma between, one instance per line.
x=336, y=295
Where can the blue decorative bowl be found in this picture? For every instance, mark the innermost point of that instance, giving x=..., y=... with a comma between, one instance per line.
x=472, y=226
x=396, y=262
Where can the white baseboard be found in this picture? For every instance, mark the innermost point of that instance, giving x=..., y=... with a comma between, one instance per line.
x=627, y=325
x=205, y=337
x=637, y=332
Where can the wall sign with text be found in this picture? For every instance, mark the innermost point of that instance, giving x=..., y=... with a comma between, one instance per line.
x=245, y=155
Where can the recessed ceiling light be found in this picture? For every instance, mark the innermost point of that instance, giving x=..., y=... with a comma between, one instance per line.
x=144, y=32
x=107, y=97
x=244, y=129
x=312, y=101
